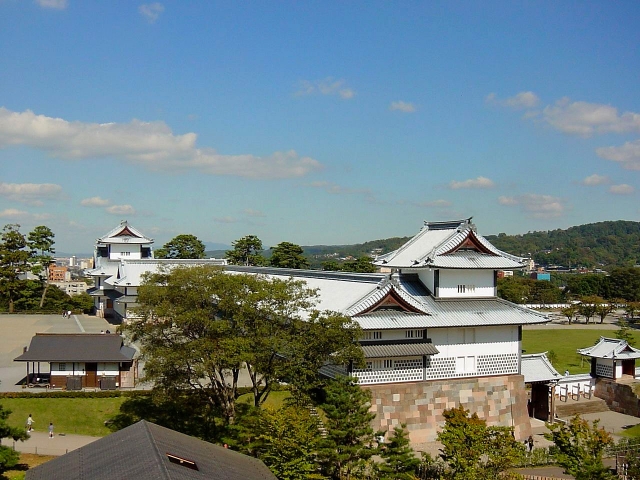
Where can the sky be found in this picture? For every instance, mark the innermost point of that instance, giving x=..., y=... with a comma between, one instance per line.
x=316, y=122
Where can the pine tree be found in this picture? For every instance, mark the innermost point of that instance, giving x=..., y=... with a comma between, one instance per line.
x=8, y=456
x=400, y=461
x=348, y=444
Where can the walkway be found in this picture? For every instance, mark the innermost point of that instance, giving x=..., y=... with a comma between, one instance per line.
x=40, y=443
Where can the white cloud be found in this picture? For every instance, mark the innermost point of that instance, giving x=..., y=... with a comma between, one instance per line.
x=622, y=189
x=151, y=11
x=401, y=106
x=328, y=86
x=480, y=182
x=20, y=215
x=55, y=4
x=31, y=193
x=225, y=220
x=436, y=204
x=537, y=206
x=628, y=155
x=334, y=188
x=520, y=100
x=94, y=202
x=121, y=210
x=253, y=213
x=595, y=179
x=583, y=118
x=150, y=144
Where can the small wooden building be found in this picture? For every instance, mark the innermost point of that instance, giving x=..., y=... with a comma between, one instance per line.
x=78, y=361
x=540, y=375
x=611, y=358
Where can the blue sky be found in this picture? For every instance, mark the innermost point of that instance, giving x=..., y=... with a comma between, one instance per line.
x=316, y=122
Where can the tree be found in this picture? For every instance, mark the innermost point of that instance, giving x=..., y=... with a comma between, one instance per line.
x=346, y=448
x=287, y=441
x=182, y=246
x=8, y=456
x=246, y=251
x=288, y=255
x=513, y=289
x=360, y=265
x=588, y=307
x=624, y=332
x=13, y=262
x=569, y=312
x=472, y=450
x=199, y=326
x=580, y=447
x=40, y=242
x=399, y=459
x=625, y=283
x=603, y=309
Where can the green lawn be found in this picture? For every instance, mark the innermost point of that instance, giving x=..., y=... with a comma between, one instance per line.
x=565, y=343
x=82, y=416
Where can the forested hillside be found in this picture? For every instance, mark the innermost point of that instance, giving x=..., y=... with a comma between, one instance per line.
x=595, y=245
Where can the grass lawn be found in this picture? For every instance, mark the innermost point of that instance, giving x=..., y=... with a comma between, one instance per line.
x=27, y=461
x=274, y=400
x=565, y=343
x=82, y=416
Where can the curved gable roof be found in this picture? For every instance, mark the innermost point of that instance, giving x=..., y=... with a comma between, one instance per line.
x=453, y=244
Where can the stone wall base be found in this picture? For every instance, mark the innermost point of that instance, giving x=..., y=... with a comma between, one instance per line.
x=500, y=400
x=619, y=396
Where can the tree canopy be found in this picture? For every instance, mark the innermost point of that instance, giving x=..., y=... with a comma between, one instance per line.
x=288, y=255
x=182, y=246
x=246, y=251
x=199, y=326
x=8, y=456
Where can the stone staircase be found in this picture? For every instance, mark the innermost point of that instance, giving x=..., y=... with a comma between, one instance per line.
x=581, y=406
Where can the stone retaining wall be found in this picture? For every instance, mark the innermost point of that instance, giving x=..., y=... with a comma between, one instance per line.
x=619, y=396
x=500, y=400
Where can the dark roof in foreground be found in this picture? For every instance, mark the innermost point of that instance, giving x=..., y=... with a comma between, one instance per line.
x=145, y=451
x=78, y=347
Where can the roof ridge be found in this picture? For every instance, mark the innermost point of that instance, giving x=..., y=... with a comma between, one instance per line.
x=161, y=463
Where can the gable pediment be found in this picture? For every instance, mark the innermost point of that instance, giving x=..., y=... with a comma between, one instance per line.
x=392, y=301
x=470, y=243
x=126, y=232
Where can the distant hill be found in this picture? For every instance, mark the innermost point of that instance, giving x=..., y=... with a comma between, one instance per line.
x=596, y=245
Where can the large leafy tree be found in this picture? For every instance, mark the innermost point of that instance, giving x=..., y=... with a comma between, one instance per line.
x=288, y=255
x=287, y=440
x=40, y=242
x=199, y=326
x=246, y=251
x=472, y=450
x=625, y=283
x=13, y=262
x=580, y=447
x=347, y=446
x=399, y=459
x=182, y=246
x=8, y=456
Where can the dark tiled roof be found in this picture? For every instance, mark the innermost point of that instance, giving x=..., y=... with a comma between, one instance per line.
x=140, y=452
x=80, y=347
x=399, y=350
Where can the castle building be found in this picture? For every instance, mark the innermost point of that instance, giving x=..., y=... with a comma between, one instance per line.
x=435, y=333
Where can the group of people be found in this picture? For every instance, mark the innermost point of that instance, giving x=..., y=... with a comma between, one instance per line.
x=31, y=421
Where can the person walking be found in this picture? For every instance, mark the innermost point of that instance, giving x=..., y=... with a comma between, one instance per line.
x=30, y=422
x=50, y=429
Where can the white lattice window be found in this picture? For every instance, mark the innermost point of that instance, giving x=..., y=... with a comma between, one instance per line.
x=604, y=370
x=462, y=288
x=372, y=335
x=62, y=367
x=414, y=333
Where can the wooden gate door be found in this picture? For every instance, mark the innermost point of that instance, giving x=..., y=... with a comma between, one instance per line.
x=92, y=375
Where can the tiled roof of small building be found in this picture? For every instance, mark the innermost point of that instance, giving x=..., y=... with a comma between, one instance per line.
x=145, y=451
x=536, y=367
x=399, y=350
x=124, y=233
x=610, y=348
x=77, y=347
